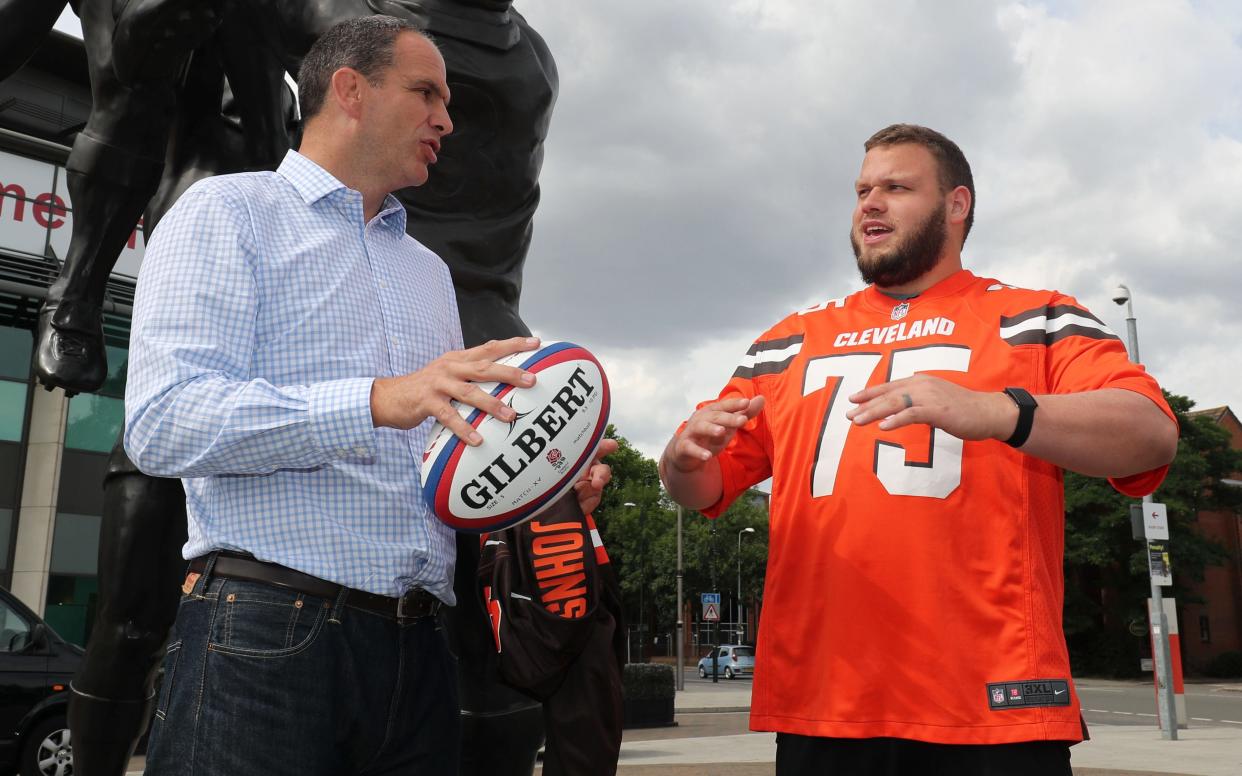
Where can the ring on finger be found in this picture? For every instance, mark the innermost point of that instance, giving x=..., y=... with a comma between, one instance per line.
x=905, y=398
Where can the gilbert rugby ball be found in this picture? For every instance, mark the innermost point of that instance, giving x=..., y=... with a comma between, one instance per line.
x=523, y=466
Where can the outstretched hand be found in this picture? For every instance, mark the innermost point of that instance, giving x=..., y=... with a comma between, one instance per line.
x=959, y=411
x=709, y=430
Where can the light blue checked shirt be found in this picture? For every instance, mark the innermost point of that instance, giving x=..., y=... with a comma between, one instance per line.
x=266, y=305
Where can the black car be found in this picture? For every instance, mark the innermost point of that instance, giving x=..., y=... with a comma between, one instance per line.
x=36, y=665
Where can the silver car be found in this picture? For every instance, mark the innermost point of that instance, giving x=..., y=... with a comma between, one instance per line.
x=733, y=660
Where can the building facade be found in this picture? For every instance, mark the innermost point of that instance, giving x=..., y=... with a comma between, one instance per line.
x=53, y=449
x=1214, y=627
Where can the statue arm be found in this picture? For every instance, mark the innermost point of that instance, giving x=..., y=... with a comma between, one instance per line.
x=192, y=406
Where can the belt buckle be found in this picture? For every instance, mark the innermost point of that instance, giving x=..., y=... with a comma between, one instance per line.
x=412, y=597
x=401, y=615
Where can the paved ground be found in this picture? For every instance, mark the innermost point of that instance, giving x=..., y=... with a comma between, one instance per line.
x=711, y=738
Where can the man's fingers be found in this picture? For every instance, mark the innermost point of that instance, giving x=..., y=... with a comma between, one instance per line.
x=875, y=391
x=754, y=407
x=490, y=351
x=735, y=404
x=606, y=447
x=705, y=426
x=689, y=449
x=475, y=396
x=458, y=425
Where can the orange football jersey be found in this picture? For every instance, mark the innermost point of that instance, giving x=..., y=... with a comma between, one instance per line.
x=914, y=585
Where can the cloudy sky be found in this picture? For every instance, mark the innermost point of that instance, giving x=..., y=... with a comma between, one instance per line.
x=699, y=174
x=698, y=178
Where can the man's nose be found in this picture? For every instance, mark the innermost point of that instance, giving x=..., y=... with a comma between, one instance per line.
x=872, y=202
x=442, y=122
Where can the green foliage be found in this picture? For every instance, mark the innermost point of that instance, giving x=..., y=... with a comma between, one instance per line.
x=1106, y=577
x=642, y=543
x=647, y=681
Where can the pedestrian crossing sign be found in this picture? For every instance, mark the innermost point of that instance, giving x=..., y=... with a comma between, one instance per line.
x=711, y=612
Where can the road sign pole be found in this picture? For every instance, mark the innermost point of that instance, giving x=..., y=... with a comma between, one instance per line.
x=681, y=608
x=1160, y=648
x=1159, y=623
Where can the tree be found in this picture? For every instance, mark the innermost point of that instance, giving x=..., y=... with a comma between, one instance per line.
x=1106, y=578
x=642, y=544
x=632, y=515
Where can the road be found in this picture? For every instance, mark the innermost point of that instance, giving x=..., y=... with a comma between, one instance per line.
x=1104, y=701
x=1107, y=702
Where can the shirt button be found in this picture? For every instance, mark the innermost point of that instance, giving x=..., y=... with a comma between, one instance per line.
x=360, y=450
x=394, y=342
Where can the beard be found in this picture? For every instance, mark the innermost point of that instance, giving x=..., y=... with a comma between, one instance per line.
x=910, y=259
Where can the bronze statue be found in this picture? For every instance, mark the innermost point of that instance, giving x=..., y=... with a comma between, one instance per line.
x=187, y=88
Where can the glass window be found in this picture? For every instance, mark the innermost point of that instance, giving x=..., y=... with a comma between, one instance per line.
x=12, y=410
x=118, y=367
x=70, y=609
x=14, y=630
x=75, y=544
x=1205, y=629
x=94, y=422
x=81, y=482
x=15, y=348
x=6, y=533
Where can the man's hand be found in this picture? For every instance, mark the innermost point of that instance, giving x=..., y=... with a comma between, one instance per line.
x=959, y=411
x=404, y=402
x=709, y=431
x=590, y=486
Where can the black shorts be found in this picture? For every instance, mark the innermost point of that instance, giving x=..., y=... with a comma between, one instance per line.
x=813, y=756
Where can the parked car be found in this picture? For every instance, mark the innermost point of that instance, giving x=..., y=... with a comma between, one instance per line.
x=732, y=660
x=36, y=665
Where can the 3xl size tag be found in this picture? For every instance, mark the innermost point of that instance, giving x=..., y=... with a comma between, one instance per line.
x=1027, y=694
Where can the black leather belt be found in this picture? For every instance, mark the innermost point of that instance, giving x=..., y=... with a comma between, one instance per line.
x=415, y=604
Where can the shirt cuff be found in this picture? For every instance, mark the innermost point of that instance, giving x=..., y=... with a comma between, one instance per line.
x=340, y=417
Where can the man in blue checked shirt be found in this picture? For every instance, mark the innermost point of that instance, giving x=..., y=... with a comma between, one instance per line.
x=289, y=343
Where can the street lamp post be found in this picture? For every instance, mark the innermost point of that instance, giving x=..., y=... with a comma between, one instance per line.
x=1159, y=622
x=740, y=628
x=681, y=625
x=642, y=578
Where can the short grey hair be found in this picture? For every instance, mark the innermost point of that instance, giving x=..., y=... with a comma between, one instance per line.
x=364, y=44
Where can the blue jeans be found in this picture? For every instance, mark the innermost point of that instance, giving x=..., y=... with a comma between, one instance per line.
x=263, y=680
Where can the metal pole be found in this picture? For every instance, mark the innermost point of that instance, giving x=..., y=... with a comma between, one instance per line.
x=681, y=625
x=1159, y=622
x=740, y=627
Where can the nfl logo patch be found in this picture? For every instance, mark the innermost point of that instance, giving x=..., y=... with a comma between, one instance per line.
x=998, y=695
x=899, y=311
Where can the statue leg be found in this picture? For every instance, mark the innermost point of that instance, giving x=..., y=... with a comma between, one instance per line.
x=113, y=170
x=140, y=570
x=109, y=187
x=24, y=24
x=153, y=38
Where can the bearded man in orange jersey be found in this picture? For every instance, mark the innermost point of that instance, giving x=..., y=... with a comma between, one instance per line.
x=916, y=433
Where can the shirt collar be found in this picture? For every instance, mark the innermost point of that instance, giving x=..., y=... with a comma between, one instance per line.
x=314, y=183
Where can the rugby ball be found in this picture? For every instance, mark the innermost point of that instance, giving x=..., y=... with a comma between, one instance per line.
x=525, y=465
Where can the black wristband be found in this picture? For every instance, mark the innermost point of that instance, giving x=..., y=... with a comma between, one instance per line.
x=1026, y=415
